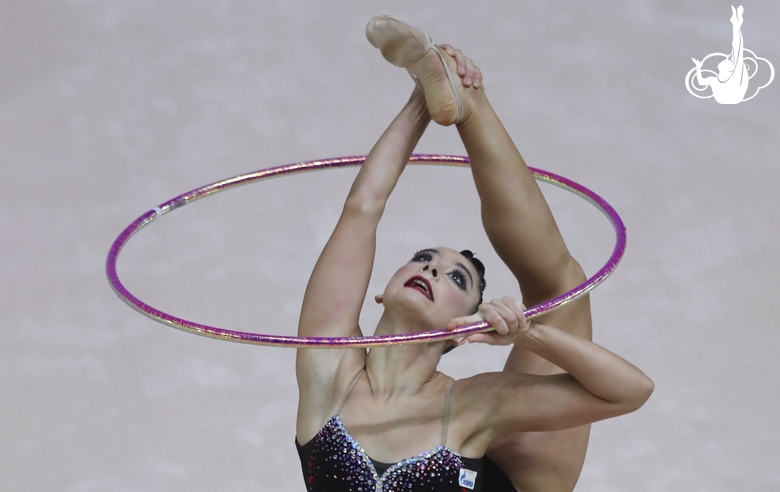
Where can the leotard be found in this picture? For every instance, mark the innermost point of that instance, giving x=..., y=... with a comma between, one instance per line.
x=334, y=461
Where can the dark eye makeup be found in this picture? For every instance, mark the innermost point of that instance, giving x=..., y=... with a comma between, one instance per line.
x=424, y=255
x=457, y=274
x=459, y=278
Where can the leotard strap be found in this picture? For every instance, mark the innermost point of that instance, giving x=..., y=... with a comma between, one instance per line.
x=349, y=390
x=445, y=419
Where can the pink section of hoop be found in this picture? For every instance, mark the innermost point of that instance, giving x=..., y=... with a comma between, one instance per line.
x=326, y=342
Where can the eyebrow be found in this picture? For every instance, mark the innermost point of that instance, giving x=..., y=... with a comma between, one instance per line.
x=461, y=265
x=466, y=270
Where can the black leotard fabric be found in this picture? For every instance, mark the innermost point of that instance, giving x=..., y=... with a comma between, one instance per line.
x=334, y=461
x=493, y=478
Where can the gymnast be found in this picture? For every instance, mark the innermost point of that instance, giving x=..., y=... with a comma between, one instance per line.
x=731, y=84
x=386, y=419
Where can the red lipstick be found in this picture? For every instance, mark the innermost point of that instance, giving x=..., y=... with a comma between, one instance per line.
x=422, y=285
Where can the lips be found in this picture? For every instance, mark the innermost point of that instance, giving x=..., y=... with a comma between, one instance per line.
x=422, y=285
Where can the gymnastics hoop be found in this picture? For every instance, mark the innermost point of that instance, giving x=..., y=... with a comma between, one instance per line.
x=352, y=342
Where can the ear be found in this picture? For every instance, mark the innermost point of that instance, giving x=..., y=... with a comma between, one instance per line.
x=379, y=299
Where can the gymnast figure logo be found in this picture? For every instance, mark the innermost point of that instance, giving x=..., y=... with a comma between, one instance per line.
x=735, y=70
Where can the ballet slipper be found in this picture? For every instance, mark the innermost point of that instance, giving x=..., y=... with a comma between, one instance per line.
x=408, y=47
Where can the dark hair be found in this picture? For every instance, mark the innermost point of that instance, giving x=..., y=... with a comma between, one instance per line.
x=480, y=268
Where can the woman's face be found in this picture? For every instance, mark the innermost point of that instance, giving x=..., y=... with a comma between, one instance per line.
x=438, y=284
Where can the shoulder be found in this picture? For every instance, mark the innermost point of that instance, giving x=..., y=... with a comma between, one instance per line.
x=322, y=387
x=477, y=407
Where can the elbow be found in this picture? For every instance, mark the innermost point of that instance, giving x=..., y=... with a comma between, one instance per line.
x=649, y=386
x=364, y=205
x=642, y=390
x=645, y=388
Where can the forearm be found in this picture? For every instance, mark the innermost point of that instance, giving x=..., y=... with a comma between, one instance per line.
x=384, y=164
x=337, y=287
x=601, y=372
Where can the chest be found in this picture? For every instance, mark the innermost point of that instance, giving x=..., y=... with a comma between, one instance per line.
x=394, y=434
x=338, y=462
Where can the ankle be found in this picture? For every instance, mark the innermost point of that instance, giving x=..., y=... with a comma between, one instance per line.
x=474, y=102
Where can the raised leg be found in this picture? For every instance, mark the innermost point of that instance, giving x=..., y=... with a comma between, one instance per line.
x=523, y=232
x=736, y=40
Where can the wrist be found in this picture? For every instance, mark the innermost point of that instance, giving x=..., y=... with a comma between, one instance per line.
x=534, y=337
x=418, y=101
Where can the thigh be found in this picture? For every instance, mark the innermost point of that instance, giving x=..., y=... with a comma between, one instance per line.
x=546, y=461
x=542, y=461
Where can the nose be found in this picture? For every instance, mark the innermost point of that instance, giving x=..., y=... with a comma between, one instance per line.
x=432, y=268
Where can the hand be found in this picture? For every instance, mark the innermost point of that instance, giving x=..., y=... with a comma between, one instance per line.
x=470, y=73
x=697, y=62
x=505, y=315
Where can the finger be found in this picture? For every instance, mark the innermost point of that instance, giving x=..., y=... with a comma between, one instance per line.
x=498, y=323
x=471, y=73
x=505, y=315
x=508, y=317
x=488, y=313
x=477, y=77
x=518, y=310
x=490, y=339
x=464, y=320
x=448, y=49
x=457, y=54
x=476, y=338
x=461, y=59
x=487, y=338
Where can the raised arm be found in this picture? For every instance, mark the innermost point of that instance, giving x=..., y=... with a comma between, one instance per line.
x=337, y=287
x=702, y=81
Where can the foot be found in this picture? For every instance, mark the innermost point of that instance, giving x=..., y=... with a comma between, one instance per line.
x=433, y=68
x=400, y=43
x=736, y=15
x=442, y=97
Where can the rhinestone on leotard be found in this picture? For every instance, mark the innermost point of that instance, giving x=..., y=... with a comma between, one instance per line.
x=339, y=463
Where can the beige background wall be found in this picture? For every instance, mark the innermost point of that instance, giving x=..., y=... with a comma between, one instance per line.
x=108, y=108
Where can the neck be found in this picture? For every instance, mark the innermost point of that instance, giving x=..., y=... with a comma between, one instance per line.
x=401, y=369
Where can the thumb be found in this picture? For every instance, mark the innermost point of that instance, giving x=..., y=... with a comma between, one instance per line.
x=464, y=320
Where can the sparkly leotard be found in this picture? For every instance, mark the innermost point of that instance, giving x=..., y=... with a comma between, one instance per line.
x=334, y=461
